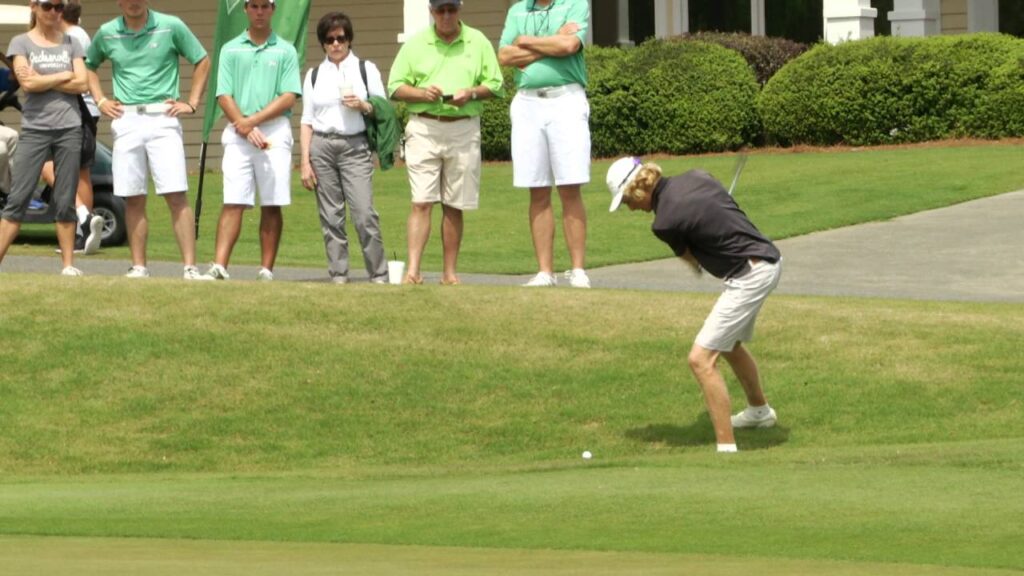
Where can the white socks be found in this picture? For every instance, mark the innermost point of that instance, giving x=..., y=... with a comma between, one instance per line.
x=727, y=448
x=83, y=214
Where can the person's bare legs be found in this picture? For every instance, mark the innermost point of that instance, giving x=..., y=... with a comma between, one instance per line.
x=451, y=241
x=542, y=228
x=66, y=240
x=138, y=227
x=229, y=226
x=184, y=223
x=418, y=232
x=8, y=232
x=716, y=396
x=745, y=368
x=574, y=223
x=84, y=196
x=271, y=226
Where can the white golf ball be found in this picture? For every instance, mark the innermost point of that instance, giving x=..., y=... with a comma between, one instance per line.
x=587, y=455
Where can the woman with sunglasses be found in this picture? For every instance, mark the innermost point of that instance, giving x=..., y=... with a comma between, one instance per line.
x=51, y=69
x=336, y=158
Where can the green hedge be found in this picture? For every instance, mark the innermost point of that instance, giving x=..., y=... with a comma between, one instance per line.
x=892, y=90
x=660, y=97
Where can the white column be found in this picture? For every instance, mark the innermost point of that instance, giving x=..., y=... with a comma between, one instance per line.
x=848, y=20
x=682, y=16
x=623, y=23
x=661, y=23
x=416, y=17
x=983, y=15
x=757, y=24
x=916, y=17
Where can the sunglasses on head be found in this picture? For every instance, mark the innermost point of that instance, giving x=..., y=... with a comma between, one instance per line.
x=340, y=39
x=46, y=7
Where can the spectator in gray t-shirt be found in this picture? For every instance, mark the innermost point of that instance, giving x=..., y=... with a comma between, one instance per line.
x=50, y=67
x=89, y=232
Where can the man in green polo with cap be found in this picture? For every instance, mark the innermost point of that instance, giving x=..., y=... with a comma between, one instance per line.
x=145, y=46
x=443, y=73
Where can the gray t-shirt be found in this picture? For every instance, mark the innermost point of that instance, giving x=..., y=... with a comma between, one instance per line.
x=52, y=109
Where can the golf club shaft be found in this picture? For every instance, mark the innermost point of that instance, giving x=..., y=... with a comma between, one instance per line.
x=741, y=161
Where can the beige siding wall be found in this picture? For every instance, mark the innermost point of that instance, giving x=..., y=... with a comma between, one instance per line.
x=954, y=16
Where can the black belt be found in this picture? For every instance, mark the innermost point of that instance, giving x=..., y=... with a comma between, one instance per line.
x=443, y=118
x=336, y=136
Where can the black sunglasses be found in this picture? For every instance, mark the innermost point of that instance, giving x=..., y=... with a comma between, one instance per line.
x=332, y=39
x=46, y=6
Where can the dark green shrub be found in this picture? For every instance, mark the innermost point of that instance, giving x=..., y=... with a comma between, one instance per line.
x=885, y=90
x=495, y=124
x=765, y=55
x=670, y=97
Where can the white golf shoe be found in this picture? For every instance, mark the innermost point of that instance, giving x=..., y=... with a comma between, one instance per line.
x=755, y=417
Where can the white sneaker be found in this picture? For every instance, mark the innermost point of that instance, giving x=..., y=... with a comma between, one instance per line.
x=577, y=278
x=217, y=272
x=265, y=275
x=137, y=272
x=71, y=271
x=192, y=273
x=95, y=237
x=542, y=280
x=752, y=417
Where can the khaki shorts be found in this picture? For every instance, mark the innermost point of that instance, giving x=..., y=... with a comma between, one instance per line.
x=733, y=317
x=443, y=161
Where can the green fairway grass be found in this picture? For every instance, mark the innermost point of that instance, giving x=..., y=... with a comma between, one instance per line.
x=455, y=418
x=785, y=193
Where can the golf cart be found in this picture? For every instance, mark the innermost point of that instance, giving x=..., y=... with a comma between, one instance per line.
x=42, y=211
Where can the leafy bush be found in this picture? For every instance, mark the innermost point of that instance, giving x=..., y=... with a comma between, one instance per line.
x=670, y=97
x=765, y=55
x=885, y=90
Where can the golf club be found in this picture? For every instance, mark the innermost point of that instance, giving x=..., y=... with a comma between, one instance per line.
x=741, y=161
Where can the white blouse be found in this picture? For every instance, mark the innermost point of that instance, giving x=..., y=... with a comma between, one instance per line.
x=321, y=105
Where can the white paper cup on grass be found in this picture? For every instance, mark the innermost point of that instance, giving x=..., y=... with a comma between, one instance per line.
x=396, y=271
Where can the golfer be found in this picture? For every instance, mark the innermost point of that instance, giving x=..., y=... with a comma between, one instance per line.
x=704, y=226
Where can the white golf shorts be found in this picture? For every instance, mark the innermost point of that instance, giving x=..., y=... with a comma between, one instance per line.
x=734, y=314
x=144, y=145
x=550, y=137
x=248, y=169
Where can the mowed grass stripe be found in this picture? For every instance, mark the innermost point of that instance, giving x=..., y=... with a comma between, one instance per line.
x=146, y=557
x=831, y=506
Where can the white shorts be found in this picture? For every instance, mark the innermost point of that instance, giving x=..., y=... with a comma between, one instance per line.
x=733, y=317
x=443, y=161
x=550, y=137
x=144, y=145
x=247, y=168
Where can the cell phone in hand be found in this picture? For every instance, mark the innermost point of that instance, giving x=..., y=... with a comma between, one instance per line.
x=447, y=97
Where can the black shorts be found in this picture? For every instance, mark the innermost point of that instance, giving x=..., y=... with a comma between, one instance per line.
x=88, y=144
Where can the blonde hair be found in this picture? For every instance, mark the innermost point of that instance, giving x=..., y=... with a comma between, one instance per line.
x=643, y=183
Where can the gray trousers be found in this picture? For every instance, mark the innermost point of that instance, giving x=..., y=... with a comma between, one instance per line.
x=344, y=174
x=34, y=148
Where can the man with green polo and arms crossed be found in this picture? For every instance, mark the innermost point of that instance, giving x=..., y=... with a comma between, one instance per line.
x=144, y=47
x=543, y=40
x=443, y=73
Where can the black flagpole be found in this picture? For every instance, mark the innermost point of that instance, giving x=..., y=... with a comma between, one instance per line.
x=199, y=195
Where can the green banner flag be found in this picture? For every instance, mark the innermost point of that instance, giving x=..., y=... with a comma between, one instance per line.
x=290, y=22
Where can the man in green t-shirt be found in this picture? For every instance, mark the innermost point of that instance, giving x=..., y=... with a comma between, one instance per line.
x=543, y=40
x=144, y=47
x=257, y=85
x=443, y=73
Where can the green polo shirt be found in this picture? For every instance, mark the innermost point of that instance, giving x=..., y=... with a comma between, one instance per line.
x=145, y=61
x=525, y=18
x=256, y=75
x=427, y=60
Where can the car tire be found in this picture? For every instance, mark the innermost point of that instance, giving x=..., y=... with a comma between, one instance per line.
x=111, y=208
